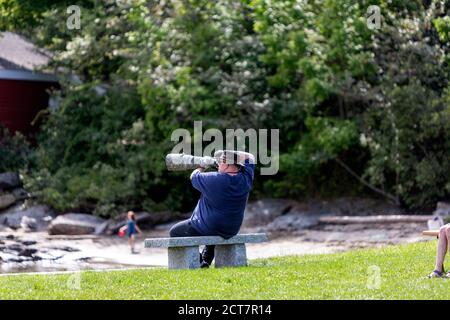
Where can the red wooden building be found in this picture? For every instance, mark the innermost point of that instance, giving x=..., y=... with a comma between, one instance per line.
x=23, y=91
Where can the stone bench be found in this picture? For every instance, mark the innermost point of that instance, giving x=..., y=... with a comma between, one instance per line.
x=184, y=251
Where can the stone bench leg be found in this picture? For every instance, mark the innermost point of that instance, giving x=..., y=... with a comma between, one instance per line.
x=184, y=258
x=230, y=255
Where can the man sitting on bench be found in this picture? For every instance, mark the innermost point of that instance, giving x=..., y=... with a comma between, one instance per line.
x=224, y=195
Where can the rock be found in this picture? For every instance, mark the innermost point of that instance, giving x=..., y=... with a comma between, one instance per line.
x=28, y=242
x=6, y=201
x=40, y=213
x=15, y=247
x=101, y=228
x=18, y=206
x=75, y=224
x=165, y=226
x=46, y=256
x=350, y=206
x=442, y=209
x=300, y=216
x=17, y=259
x=8, y=257
x=293, y=222
x=63, y=248
x=28, y=252
x=264, y=211
x=291, y=215
x=156, y=218
x=28, y=224
x=20, y=194
x=9, y=180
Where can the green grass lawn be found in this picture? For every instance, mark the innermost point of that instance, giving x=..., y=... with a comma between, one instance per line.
x=350, y=275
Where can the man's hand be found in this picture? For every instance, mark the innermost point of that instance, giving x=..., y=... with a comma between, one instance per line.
x=245, y=155
x=197, y=170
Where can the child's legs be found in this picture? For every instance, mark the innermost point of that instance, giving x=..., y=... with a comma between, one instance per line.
x=131, y=241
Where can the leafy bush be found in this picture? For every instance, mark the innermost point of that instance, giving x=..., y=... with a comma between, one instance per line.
x=358, y=110
x=16, y=152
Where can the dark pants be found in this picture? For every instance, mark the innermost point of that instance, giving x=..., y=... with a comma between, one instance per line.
x=184, y=229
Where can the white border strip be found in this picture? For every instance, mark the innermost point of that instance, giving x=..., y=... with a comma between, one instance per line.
x=26, y=76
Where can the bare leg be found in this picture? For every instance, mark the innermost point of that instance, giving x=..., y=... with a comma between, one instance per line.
x=441, y=248
x=447, y=233
x=131, y=242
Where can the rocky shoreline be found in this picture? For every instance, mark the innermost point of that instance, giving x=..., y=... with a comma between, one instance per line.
x=34, y=237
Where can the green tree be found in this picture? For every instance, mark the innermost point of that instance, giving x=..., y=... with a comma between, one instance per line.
x=359, y=110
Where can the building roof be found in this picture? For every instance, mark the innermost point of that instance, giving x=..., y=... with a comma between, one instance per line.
x=20, y=58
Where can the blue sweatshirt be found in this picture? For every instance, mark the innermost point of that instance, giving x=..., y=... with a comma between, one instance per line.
x=220, y=209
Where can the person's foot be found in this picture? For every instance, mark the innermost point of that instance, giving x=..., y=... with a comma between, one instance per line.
x=436, y=274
